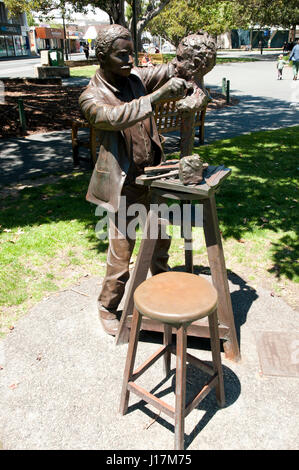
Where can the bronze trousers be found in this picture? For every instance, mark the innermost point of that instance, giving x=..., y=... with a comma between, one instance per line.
x=121, y=245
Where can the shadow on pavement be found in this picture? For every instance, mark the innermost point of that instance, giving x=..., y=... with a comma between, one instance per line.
x=37, y=155
x=195, y=380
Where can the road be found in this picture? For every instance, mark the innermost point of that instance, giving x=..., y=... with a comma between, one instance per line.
x=25, y=67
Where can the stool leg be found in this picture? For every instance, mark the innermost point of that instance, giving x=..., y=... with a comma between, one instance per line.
x=215, y=346
x=130, y=361
x=167, y=339
x=180, y=388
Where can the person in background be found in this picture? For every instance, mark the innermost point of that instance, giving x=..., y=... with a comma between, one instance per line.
x=146, y=61
x=86, y=50
x=294, y=57
x=281, y=62
x=261, y=46
x=285, y=48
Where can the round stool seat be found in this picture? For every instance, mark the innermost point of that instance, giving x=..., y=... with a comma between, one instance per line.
x=175, y=297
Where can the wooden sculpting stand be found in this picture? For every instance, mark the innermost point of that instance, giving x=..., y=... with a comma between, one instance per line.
x=205, y=194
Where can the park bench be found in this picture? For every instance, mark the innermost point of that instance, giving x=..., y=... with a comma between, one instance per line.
x=155, y=58
x=168, y=119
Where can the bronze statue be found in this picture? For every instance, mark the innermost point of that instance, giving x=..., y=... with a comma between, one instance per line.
x=119, y=102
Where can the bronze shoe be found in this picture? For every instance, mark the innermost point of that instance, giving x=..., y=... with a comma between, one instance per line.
x=109, y=320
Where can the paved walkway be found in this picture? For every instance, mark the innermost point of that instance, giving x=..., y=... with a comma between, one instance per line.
x=60, y=375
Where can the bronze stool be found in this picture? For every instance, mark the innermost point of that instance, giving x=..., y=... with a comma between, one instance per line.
x=176, y=299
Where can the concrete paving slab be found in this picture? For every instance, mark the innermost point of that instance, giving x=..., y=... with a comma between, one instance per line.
x=61, y=379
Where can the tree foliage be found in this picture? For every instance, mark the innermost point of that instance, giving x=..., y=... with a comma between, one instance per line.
x=283, y=13
x=116, y=9
x=180, y=18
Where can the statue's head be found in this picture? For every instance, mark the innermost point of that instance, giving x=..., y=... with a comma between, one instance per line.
x=106, y=37
x=196, y=54
x=114, y=51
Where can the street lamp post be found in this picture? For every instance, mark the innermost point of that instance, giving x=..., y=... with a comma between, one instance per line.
x=65, y=39
x=135, y=31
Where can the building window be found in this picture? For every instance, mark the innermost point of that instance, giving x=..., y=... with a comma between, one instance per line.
x=10, y=46
x=3, y=51
x=3, y=16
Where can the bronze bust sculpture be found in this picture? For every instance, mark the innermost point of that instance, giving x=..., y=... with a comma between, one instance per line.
x=195, y=57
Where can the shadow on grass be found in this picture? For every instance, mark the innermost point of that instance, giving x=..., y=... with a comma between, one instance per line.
x=49, y=203
x=261, y=195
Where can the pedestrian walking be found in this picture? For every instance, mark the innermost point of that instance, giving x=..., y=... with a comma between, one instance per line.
x=261, y=46
x=280, y=65
x=86, y=50
x=294, y=57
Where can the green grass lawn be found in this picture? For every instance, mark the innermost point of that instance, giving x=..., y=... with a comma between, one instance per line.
x=47, y=231
x=86, y=71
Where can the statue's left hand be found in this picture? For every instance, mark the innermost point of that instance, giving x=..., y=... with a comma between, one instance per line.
x=193, y=103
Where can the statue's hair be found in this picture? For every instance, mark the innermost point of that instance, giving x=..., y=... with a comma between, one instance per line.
x=107, y=35
x=201, y=45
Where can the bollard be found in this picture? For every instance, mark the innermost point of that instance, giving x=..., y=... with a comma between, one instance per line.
x=224, y=86
x=22, y=115
x=227, y=91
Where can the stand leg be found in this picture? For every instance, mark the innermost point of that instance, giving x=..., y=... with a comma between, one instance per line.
x=219, y=276
x=215, y=347
x=139, y=273
x=186, y=234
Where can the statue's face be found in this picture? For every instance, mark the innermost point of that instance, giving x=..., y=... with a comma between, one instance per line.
x=120, y=60
x=184, y=64
x=187, y=66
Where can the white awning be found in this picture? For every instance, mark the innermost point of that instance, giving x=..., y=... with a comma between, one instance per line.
x=91, y=33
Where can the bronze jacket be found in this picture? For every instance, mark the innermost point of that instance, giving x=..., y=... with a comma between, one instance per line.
x=111, y=117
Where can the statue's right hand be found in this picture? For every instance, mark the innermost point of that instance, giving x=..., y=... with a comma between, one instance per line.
x=174, y=88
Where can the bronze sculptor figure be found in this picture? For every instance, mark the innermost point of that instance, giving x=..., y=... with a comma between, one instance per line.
x=119, y=102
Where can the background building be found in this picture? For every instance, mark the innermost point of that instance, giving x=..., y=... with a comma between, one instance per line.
x=14, y=34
